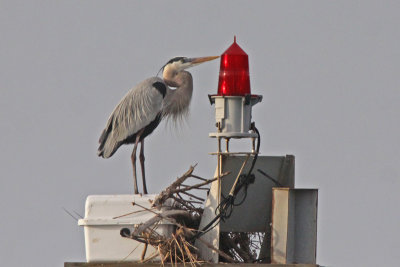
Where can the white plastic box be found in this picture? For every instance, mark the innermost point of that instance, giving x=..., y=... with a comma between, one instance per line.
x=105, y=216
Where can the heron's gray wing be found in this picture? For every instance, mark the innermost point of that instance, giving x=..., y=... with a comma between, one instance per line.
x=138, y=108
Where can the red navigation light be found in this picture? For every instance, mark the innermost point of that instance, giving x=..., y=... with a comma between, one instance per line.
x=234, y=77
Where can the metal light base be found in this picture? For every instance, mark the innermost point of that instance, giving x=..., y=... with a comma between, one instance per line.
x=233, y=115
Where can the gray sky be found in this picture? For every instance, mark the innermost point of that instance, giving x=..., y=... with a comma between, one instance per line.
x=328, y=71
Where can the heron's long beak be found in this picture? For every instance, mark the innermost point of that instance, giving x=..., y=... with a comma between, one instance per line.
x=198, y=60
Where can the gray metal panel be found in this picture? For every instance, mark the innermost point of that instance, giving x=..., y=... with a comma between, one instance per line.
x=305, y=226
x=254, y=214
x=294, y=225
x=257, y=207
x=291, y=228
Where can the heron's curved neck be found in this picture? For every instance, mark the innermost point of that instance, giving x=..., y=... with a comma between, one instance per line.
x=179, y=79
x=177, y=101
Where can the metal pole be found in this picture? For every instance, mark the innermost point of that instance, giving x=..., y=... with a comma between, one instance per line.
x=219, y=170
x=238, y=176
x=219, y=158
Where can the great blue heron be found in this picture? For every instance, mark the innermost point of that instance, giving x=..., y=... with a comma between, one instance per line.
x=144, y=106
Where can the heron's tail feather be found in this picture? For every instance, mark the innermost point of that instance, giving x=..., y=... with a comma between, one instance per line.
x=107, y=149
x=108, y=145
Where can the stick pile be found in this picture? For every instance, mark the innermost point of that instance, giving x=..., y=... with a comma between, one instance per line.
x=185, y=215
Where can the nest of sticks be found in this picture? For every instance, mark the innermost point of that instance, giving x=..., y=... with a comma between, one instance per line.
x=185, y=214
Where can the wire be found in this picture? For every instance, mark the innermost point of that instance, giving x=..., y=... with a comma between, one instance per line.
x=250, y=177
x=243, y=199
x=225, y=208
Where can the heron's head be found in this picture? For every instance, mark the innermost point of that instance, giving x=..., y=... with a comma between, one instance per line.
x=178, y=64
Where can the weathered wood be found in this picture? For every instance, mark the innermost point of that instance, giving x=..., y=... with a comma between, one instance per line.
x=157, y=218
x=175, y=187
x=170, y=190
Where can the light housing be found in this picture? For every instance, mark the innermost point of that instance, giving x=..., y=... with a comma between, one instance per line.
x=234, y=101
x=234, y=78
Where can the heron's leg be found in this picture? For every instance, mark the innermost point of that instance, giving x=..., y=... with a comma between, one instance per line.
x=141, y=157
x=133, y=158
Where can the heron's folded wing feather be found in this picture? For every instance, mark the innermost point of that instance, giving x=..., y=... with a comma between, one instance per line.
x=137, y=109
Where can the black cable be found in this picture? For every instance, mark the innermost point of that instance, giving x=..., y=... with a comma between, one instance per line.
x=243, y=199
x=246, y=182
x=257, y=149
x=228, y=203
x=225, y=208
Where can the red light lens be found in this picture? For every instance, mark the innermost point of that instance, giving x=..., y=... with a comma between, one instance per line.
x=234, y=79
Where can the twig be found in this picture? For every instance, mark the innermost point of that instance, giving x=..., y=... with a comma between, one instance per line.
x=176, y=187
x=189, y=201
x=80, y=216
x=223, y=254
x=69, y=213
x=193, y=196
x=152, y=256
x=130, y=252
x=198, y=177
x=189, y=255
x=165, y=194
x=184, y=200
x=156, y=219
x=130, y=213
x=202, y=188
x=144, y=252
x=199, y=185
x=194, y=201
x=183, y=203
x=176, y=241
